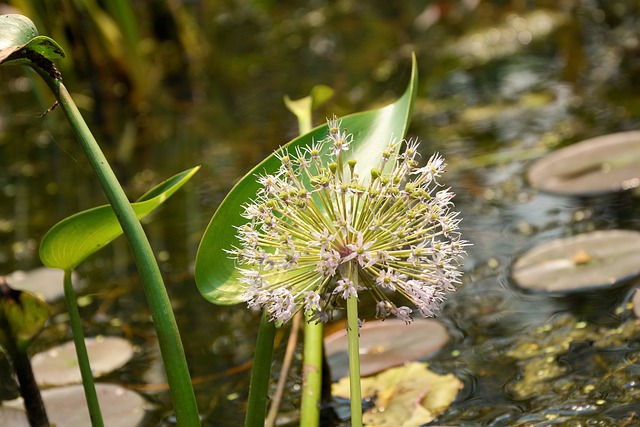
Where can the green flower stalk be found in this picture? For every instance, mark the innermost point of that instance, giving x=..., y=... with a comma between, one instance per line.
x=317, y=215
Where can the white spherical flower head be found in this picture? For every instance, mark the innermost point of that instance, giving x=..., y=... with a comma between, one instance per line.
x=316, y=219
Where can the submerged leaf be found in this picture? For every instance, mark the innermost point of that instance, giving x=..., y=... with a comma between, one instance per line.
x=407, y=396
x=73, y=239
x=216, y=275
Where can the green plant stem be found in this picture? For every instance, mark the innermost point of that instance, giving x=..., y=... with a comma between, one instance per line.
x=169, y=341
x=353, y=340
x=260, y=374
x=311, y=373
x=81, y=353
x=313, y=343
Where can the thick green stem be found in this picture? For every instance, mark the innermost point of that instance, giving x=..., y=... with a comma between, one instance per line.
x=171, y=348
x=260, y=374
x=81, y=353
x=353, y=339
x=311, y=373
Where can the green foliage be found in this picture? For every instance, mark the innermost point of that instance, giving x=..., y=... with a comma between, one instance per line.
x=303, y=107
x=22, y=317
x=20, y=41
x=73, y=239
x=216, y=275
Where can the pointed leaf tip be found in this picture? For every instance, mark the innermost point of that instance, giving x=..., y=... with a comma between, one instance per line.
x=73, y=239
x=215, y=273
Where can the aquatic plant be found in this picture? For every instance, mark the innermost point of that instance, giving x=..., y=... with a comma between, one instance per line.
x=22, y=317
x=336, y=212
x=318, y=233
x=329, y=214
x=21, y=44
x=217, y=277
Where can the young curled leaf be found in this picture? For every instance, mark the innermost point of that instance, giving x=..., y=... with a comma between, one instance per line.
x=20, y=43
x=22, y=316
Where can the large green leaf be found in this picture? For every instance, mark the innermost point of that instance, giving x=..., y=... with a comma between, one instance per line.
x=216, y=275
x=19, y=41
x=73, y=239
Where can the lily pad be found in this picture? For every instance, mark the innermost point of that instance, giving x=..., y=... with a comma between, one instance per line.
x=407, y=396
x=59, y=365
x=580, y=263
x=13, y=417
x=67, y=406
x=606, y=164
x=43, y=281
x=636, y=302
x=385, y=344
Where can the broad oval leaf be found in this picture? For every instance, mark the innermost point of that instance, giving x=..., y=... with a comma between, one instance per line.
x=216, y=275
x=385, y=344
x=600, y=165
x=41, y=282
x=586, y=262
x=67, y=406
x=73, y=239
x=59, y=365
x=14, y=417
x=19, y=39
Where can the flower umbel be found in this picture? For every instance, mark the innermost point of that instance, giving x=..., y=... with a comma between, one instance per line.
x=311, y=219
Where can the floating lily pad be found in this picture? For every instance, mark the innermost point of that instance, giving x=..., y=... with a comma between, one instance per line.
x=580, y=263
x=406, y=396
x=59, y=365
x=601, y=165
x=67, y=406
x=384, y=344
x=43, y=281
x=636, y=302
x=13, y=417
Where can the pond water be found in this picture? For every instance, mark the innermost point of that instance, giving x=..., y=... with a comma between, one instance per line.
x=501, y=84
